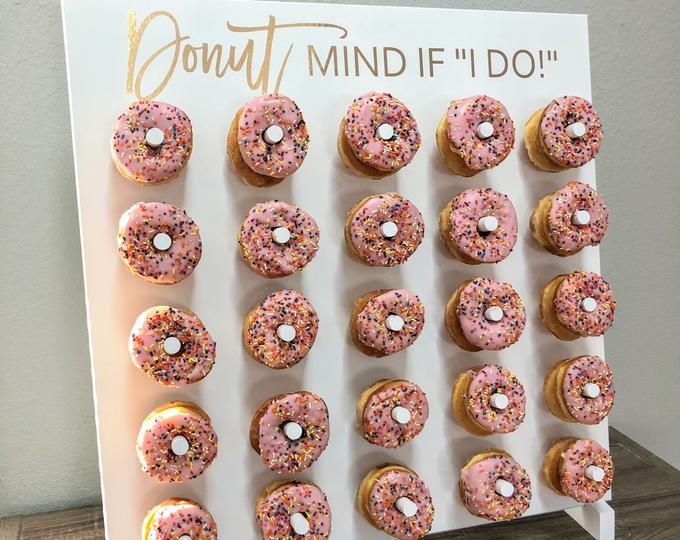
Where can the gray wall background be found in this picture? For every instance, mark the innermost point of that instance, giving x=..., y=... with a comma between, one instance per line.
x=48, y=454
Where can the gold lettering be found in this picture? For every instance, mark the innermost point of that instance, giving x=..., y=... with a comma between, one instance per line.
x=386, y=62
x=373, y=68
x=331, y=57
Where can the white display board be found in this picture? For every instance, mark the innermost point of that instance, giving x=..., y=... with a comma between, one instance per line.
x=425, y=57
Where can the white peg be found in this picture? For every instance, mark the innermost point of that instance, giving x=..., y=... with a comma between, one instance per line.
x=499, y=401
x=185, y=537
x=576, y=130
x=406, y=506
x=589, y=304
x=394, y=323
x=154, y=137
x=179, y=445
x=485, y=130
x=273, y=134
x=385, y=132
x=172, y=345
x=388, y=229
x=590, y=390
x=595, y=473
x=401, y=415
x=285, y=332
x=299, y=523
x=487, y=224
x=292, y=430
x=493, y=314
x=281, y=235
x=504, y=488
x=162, y=241
x=580, y=217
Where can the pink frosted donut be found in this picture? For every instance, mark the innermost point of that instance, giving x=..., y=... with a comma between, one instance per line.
x=274, y=159
x=294, y=505
x=384, y=230
x=159, y=242
x=475, y=299
x=574, y=462
x=390, y=484
x=564, y=150
x=179, y=519
x=278, y=239
x=290, y=431
x=362, y=120
x=481, y=224
x=564, y=233
x=581, y=371
x=280, y=330
x=176, y=442
x=487, y=382
x=381, y=426
x=495, y=487
x=478, y=150
x=171, y=346
x=573, y=313
x=388, y=321
x=151, y=142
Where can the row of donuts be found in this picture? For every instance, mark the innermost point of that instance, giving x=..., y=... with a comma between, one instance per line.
x=177, y=443
x=268, y=138
x=162, y=244
x=173, y=347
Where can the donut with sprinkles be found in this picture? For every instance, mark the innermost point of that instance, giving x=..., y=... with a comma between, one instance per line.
x=475, y=134
x=566, y=134
x=378, y=135
x=159, y=242
x=179, y=518
x=571, y=218
x=268, y=140
x=152, y=142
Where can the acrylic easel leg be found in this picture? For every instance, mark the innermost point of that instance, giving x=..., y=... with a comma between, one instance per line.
x=596, y=518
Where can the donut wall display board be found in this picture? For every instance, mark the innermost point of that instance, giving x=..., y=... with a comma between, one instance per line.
x=211, y=57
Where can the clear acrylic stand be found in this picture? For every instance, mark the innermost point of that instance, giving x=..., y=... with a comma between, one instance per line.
x=596, y=518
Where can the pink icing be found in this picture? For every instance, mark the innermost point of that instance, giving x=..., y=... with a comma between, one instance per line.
x=273, y=514
x=583, y=370
x=475, y=298
x=489, y=380
x=279, y=453
x=570, y=294
x=466, y=210
x=282, y=307
x=365, y=115
x=367, y=239
x=137, y=228
x=389, y=487
x=479, y=495
x=563, y=150
x=370, y=322
x=195, y=358
x=142, y=162
x=378, y=426
x=276, y=160
x=154, y=445
x=464, y=116
x=565, y=202
x=573, y=464
x=265, y=256
x=176, y=518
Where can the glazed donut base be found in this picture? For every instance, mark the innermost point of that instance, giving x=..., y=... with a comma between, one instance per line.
x=476, y=459
x=248, y=175
x=538, y=224
x=348, y=224
x=460, y=388
x=151, y=514
x=547, y=308
x=453, y=323
x=352, y=162
x=378, y=386
x=451, y=158
x=246, y=325
x=536, y=149
x=363, y=494
x=552, y=391
x=137, y=180
x=552, y=462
